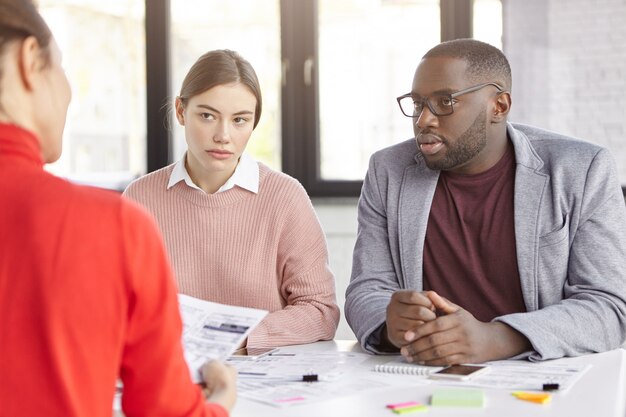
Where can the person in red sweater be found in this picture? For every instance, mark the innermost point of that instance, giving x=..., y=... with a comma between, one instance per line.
x=87, y=295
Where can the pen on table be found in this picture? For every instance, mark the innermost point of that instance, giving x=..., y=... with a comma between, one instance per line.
x=287, y=378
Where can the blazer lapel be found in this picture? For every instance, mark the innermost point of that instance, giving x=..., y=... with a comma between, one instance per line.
x=416, y=194
x=530, y=187
x=529, y=190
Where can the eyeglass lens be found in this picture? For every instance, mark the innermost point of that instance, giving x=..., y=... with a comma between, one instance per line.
x=440, y=105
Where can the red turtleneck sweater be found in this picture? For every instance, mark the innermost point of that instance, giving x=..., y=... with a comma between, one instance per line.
x=86, y=296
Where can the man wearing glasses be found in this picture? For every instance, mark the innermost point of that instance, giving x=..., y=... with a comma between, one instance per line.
x=480, y=239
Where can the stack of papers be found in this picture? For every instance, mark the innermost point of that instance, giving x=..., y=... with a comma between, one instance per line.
x=522, y=375
x=213, y=331
x=277, y=379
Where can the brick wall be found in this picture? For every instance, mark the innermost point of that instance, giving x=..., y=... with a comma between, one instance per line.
x=569, y=68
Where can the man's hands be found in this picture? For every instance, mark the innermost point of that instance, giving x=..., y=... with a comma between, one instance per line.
x=405, y=312
x=434, y=331
x=221, y=383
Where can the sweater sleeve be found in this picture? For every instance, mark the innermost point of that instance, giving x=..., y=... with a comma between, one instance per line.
x=154, y=373
x=306, y=282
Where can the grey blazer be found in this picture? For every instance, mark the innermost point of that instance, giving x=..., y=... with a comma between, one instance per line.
x=570, y=232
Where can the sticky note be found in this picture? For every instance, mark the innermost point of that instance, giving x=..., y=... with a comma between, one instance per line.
x=410, y=409
x=457, y=397
x=535, y=397
x=403, y=405
x=288, y=400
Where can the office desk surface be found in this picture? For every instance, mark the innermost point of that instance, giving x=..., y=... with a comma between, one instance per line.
x=601, y=392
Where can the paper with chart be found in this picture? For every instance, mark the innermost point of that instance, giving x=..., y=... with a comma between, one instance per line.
x=280, y=365
x=273, y=379
x=213, y=330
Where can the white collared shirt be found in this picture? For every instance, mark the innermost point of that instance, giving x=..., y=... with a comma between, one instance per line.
x=246, y=175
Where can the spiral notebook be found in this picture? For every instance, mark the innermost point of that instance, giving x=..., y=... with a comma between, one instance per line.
x=402, y=367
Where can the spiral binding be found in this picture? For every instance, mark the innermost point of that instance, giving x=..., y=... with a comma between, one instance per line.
x=404, y=369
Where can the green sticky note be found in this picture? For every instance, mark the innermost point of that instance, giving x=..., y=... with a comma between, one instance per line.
x=457, y=397
x=411, y=409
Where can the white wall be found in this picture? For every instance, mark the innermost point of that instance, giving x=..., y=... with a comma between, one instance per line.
x=338, y=219
x=568, y=59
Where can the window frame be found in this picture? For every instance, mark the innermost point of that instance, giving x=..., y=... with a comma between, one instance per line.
x=159, y=146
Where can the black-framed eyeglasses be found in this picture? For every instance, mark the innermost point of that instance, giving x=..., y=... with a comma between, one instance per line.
x=439, y=104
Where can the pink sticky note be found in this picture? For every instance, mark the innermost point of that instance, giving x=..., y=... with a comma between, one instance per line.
x=402, y=405
x=289, y=400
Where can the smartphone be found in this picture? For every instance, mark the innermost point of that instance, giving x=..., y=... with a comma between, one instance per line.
x=252, y=353
x=459, y=372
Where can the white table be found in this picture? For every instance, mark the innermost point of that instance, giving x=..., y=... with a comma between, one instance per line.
x=601, y=392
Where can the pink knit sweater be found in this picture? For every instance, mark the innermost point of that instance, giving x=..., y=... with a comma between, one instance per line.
x=264, y=250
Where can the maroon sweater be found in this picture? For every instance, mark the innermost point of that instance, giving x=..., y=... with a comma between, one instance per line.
x=469, y=253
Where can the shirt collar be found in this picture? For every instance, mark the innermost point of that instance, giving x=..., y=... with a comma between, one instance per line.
x=246, y=175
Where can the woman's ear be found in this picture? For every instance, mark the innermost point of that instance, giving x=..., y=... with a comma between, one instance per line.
x=180, y=111
x=502, y=107
x=30, y=62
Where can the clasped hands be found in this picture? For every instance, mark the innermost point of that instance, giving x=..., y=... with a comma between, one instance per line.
x=431, y=330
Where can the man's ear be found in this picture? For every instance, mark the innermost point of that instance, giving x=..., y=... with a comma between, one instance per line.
x=180, y=111
x=30, y=62
x=501, y=108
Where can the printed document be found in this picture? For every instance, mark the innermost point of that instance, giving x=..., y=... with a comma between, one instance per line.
x=283, y=394
x=277, y=379
x=213, y=330
x=523, y=375
x=328, y=366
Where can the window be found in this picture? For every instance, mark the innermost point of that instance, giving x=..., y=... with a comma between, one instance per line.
x=250, y=27
x=329, y=73
x=487, y=22
x=368, y=52
x=362, y=56
x=105, y=134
